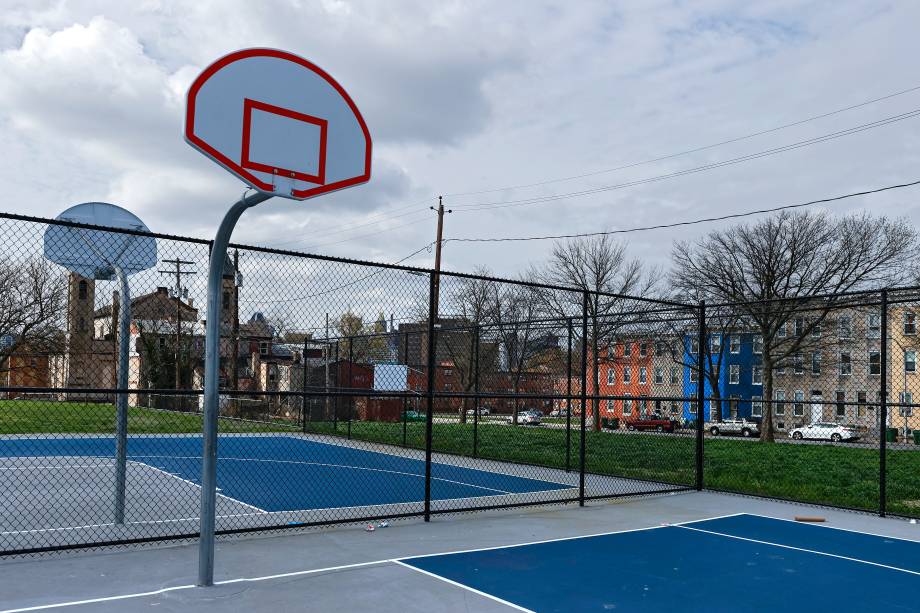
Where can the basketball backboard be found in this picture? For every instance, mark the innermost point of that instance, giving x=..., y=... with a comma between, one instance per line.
x=94, y=253
x=278, y=122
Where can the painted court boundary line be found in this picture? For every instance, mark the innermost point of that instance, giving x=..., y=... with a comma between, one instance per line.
x=465, y=587
x=398, y=560
x=820, y=553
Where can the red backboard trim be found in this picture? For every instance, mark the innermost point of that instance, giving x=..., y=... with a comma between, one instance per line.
x=248, y=106
x=236, y=167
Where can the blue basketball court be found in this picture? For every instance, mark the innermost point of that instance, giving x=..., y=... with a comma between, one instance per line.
x=286, y=473
x=734, y=563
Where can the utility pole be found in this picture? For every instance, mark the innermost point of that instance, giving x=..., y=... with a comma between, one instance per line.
x=437, y=255
x=178, y=292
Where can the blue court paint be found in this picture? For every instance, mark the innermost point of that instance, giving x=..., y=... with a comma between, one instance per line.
x=280, y=473
x=676, y=569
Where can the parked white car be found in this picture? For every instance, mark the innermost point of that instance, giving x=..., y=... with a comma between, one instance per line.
x=526, y=418
x=825, y=431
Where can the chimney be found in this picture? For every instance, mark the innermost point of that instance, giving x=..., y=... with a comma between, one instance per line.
x=191, y=302
x=162, y=290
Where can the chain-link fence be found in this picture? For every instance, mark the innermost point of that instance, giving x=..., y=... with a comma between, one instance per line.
x=342, y=400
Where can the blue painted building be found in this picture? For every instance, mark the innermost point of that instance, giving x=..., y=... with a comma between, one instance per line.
x=740, y=382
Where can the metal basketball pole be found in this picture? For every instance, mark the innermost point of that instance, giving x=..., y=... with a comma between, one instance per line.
x=121, y=399
x=211, y=385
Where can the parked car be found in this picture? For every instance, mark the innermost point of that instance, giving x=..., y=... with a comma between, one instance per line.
x=531, y=418
x=744, y=427
x=482, y=411
x=412, y=416
x=826, y=431
x=558, y=412
x=652, y=421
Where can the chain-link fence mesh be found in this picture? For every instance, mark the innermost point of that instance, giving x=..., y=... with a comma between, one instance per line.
x=341, y=400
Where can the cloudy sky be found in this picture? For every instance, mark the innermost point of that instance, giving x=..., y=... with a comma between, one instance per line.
x=469, y=99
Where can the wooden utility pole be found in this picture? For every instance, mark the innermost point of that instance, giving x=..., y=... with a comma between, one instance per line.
x=437, y=255
x=178, y=291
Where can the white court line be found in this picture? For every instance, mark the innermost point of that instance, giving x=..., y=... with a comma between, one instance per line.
x=466, y=587
x=820, y=525
x=820, y=553
x=397, y=560
x=379, y=470
x=174, y=476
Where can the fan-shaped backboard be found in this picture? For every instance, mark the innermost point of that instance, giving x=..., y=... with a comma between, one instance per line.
x=94, y=253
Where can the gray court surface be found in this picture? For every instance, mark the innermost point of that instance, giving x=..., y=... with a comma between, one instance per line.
x=62, y=500
x=348, y=569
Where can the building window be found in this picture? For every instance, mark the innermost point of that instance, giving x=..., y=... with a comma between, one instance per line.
x=910, y=323
x=873, y=325
x=715, y=343
x=781, y=369
x=674, y=375
x=846, y=364
x=611, y=376
x=799, y=326
x=860, y=404
x=161, y=341
x=756, y=406
x=692, y=408
x=627, y=374
x=643, y=349
x=840, y=404
x=643, y=406
x=263, y=348
x=627, y=350
x=734, y=374
x=816, y=331
x=781, y=331
x=907, y=398
x=694, y=375
x=674, y=409
x=659, y=375
x=225, y=301
x=798, y=405
x=875, y=363
x=82, y=290
x=758, y=345
x=779, y=396
x=610, y=405
x=643, y=375
x=844, y=327
x=910, y=361
x=734, y=343
x=798, y=364
x=661, y=348
x=627, y=406
x=757, y=375
x=816, y=362
x=694, y=345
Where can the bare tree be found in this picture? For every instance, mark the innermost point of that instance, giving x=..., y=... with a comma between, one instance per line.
x=778, y=268
x=601, y=267
x=513, y=311
x=33, y=308
x=472, y=301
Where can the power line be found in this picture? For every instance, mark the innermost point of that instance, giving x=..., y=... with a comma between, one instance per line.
x=683, y=223
x=689, y=151
x=768, y=152
x=349, y=284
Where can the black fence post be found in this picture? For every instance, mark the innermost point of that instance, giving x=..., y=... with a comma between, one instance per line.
x=476, y=392
x=700, y=395
x=351, y=382
x=303, y=402
x=432, y=307
x=338, y=387
x=883, y=411
x=405, y=398
x=584, y=397
x=568, y=401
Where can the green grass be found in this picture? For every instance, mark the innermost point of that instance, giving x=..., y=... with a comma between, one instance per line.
x=44, y=416
x=838, y=475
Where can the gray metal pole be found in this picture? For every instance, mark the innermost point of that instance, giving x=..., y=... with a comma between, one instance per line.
x=883, y=412
x=211, y=386
x=121, y=400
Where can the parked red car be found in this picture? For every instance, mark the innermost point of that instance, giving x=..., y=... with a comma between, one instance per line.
x=653, y=421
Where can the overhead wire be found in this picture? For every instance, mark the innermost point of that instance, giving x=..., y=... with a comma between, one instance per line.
x=688, y=151
x=684, y=223
x=760, y=154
